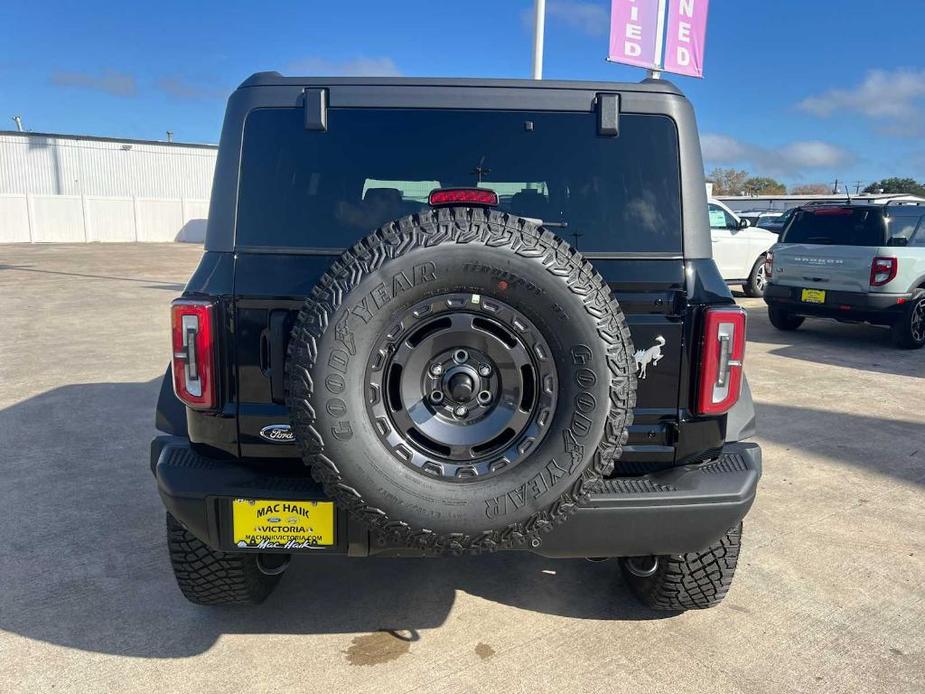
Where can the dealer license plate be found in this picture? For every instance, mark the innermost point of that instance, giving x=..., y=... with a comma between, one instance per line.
x=813, y=296
x=267, y=524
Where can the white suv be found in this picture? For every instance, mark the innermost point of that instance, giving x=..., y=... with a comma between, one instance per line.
x=739, y=249
x=852, y=263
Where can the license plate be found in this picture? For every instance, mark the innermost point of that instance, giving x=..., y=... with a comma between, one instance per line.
x=268, y=524
x=813, y=296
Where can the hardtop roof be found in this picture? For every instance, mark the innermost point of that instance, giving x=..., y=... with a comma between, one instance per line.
x=275, y=79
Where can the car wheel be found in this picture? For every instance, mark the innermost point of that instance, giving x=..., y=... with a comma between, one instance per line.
x=757, y=280
x=208, y=577
x=692, y=581
x=784, y=320
x=460, y=381
x=909, y=331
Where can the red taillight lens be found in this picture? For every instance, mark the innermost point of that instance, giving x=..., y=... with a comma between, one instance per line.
x=463, y=196
x=192, y=328
x=883, y=271
x=721, y=360
x=768, y=264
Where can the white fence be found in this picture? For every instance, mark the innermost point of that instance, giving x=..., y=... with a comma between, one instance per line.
x=29, y=217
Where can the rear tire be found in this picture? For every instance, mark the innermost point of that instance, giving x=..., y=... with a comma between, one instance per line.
x=208, y=577
x=784, y=320
x=692, y=581
x=757, y=280
x=909, y=331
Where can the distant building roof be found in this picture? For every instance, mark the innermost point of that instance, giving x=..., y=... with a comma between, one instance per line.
x=98, y=138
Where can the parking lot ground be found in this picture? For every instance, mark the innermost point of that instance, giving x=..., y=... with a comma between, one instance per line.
x=829, y=596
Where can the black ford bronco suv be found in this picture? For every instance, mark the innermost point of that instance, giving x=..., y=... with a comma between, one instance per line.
x=456, y=316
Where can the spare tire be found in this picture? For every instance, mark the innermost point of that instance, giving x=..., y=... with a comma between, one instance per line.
x=460, y=380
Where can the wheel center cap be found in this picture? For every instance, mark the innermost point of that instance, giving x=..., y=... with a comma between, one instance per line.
x=461, y=386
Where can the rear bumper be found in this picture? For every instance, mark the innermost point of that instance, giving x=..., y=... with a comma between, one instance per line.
x=680, y=510
x=872, y=307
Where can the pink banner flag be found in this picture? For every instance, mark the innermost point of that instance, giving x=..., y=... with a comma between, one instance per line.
x=633, y=28
x=686, y=33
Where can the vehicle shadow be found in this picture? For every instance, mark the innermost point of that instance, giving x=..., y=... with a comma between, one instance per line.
x=824, y=341
x=851, y=439
x=84, y=562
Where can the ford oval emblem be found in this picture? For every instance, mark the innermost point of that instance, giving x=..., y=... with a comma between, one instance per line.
x=277, y=433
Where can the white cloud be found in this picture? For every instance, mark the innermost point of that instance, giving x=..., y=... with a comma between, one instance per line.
x=893, y=99
x=357, y=67
x=110, y=82
x=789, y=160
x=588, y=17
x=180, y=88
x=722, y=149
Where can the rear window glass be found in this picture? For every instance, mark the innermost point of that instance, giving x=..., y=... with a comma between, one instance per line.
x=328, y=189
x=839, y=226
x=903, y=225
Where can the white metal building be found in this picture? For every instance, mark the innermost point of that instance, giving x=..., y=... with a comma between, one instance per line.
x=74, y=188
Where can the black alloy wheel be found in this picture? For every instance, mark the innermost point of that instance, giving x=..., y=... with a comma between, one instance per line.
x=466, y=394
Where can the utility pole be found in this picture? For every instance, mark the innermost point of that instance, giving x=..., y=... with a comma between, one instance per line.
x=18, y=121
x=539, y=29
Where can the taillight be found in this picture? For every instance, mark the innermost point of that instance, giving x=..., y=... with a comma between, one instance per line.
x=722, y=354
x=192, y=328
x=883, y=271
x=768, y=264
x=463, y=196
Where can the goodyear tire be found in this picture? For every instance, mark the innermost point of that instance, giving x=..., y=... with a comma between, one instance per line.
x=460, y=380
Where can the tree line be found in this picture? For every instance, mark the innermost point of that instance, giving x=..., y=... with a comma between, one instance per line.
x=739, y=182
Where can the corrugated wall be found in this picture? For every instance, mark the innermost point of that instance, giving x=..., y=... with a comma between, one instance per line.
x=60, y=188
x=62, y=165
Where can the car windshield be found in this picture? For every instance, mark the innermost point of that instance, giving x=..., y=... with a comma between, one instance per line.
x=327, y=189
x=841, y=226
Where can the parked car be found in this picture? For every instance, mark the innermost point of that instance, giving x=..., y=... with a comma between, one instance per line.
x=777, y=224
x=739, y=249
x=760, y=218
x=852, y=263
x=389, y=348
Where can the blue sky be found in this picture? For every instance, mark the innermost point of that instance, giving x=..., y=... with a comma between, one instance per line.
x=802, y=90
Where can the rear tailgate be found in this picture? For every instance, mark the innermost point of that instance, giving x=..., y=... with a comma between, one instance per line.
x=817, y=266
x=306, y=194
x=830, y=248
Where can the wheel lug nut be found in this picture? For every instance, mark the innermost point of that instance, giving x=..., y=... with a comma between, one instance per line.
x=484, y=397
x=436, y=369
x=436, y=397
x=460, y=411
x=461, y=356
x=485, y=370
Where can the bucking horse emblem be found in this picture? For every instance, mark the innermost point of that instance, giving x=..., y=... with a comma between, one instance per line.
x=652, y=356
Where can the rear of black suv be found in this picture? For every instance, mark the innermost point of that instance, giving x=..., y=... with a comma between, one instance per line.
x=443, y=316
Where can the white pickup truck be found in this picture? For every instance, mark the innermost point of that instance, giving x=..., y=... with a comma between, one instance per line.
x=739, y=249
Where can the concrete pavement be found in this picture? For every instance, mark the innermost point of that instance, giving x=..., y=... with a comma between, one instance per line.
x=829, y=596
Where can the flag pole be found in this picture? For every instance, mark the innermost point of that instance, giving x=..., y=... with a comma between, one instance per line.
x=656, y=72
x=539, y=27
